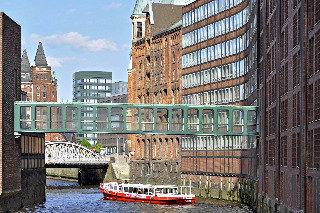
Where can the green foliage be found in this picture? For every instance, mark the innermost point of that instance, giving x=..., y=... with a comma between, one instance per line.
x=86, y=143
x=98, y=147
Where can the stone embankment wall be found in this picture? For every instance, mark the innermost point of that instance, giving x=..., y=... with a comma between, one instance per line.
x=68, y=173
x=118, y=170
x=85, y=176
x=224, y=188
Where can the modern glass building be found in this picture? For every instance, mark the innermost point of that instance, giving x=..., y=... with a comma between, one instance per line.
x=91, y=87
x=219, y=67
x=119, y=88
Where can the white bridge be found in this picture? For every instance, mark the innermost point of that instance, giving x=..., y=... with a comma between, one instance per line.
x=66, y=154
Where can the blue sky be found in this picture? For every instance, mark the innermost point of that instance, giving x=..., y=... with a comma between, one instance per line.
x=76, y=34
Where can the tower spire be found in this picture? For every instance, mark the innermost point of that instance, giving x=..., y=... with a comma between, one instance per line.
x=139, y=6
x=25, y=67
x=40, y=59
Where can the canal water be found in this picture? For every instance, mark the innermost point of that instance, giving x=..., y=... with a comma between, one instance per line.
x=65, y=196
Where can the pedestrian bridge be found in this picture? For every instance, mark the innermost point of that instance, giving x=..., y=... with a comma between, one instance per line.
x=71, y=155
x=86, y=118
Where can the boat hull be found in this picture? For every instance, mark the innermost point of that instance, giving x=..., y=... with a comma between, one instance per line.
x=162, y=200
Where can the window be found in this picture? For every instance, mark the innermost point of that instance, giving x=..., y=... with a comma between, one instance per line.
x=38, y=91
x=139, y=29
x=221, y=5
x=44, y=91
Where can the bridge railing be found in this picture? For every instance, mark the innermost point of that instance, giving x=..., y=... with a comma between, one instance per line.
x=63, y=153
x=135, y=118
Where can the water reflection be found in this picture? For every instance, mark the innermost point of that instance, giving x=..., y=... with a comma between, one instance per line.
x=61, y=183
x=77, y=199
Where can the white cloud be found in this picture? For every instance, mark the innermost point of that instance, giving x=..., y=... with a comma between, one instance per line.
x=23, y=43
x=114, y=6
x=58, y=62
x=55, y=62
x=126, y=47
x=78, y=40
x=71, y=11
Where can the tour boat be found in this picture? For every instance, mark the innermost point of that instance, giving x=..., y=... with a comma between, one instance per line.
x=155, y=194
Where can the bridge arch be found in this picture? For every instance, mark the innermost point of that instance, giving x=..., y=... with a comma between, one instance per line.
x=67, y=154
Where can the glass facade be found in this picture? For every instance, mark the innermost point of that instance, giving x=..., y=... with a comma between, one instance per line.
x=207, y=10
x=91, y=87
x=216, y=29
x=219, y=61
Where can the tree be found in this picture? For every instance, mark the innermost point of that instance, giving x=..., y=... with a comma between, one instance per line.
x=98, y=147
x=86, y=143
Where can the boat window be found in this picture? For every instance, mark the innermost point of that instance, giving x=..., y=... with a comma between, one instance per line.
x=126, y=189
x=148, y=192
x=175, y=191
x=130, y=189
x=159, y=190
x=135, y=190
x=140, y=191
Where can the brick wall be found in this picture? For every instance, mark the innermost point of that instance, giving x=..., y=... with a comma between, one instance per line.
x=155, y=78
x=43, y=81
x=10, y=66
x=289, y=49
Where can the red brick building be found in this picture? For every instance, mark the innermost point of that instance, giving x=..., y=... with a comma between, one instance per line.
x=289, y=76
x=155, y=78
x=38, y=80
x=39, y=83
x=280, y=46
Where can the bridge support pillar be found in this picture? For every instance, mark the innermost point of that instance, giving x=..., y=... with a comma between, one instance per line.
x=91, y=176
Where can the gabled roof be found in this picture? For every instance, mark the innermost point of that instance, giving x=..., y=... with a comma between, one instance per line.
x=25, y=68
x=141, y=4
x=165, y=16
x=40, y=59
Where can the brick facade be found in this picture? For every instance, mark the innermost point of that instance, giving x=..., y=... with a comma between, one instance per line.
x=44, y=85
x=39, y=83
x=155, y=78
x=10, y=49
x=289, y=84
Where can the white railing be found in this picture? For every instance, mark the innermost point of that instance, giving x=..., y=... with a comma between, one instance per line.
x=71, y=153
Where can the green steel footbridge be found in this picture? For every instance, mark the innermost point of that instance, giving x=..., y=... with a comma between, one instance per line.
x=115, y=118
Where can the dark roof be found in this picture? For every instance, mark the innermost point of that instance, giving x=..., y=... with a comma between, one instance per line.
x=92, y=74
x=25, y=68
x=40, y=59
x=164, y=16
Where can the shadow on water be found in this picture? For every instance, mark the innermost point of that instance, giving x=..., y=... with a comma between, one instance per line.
x=66, y=196
x=57, y=183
